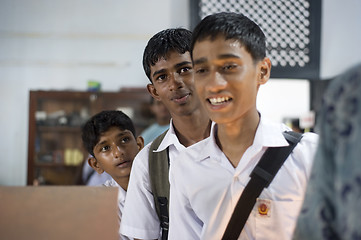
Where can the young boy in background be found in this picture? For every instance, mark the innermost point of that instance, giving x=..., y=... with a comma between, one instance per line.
x=161, y=124
x=230, y=64
x=110, y=138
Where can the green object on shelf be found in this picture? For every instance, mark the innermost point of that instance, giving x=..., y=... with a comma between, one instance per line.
x=94, y=86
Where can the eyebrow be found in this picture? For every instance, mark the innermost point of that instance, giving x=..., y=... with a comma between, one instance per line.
x=229, y=55
x=121, y=134
x=199, y=61
x=222, y=56
x=99, y=144
x=176, y=66
x=182, y=64
x=158, y=72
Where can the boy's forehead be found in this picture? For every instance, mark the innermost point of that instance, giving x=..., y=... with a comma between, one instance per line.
x=115, y=130
x=172, y=58
x=216, y=46
x=171, y=55
x=216, y=39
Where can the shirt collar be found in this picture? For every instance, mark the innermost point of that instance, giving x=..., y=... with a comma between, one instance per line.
x=268, y=134
x=121, y=191
x=205, y=148
x=121, y=194
x=170, y=139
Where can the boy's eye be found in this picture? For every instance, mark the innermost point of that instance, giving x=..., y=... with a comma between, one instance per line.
x=161, y=78
x=228, y=67
x=185, y=70
x=105, y=148
x=200, y=70
x=124, y=140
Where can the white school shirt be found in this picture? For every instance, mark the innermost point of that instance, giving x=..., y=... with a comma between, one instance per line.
x=140, y=219
x=205, y=188
x=121, y=200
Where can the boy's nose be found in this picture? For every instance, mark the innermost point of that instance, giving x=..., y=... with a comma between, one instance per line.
x=176, y=81
x=117, y=152
x=216, y=82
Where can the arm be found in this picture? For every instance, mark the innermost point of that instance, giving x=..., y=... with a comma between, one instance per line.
x=140, y=219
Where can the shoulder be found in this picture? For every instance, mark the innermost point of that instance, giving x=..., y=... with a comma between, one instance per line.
x=144, y=151
x=304, y=153
x=307, y=146
x=141, y=159
x=309, y=141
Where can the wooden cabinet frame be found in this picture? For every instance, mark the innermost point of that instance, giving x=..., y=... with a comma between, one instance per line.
x=136, y=100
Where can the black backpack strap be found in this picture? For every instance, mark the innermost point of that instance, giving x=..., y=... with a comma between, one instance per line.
x=261, y=177
x=159, y=180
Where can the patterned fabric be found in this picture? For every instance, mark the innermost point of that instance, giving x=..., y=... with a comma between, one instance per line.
x=332, y=206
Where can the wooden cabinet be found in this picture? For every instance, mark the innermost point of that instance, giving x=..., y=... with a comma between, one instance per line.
x=55, y=150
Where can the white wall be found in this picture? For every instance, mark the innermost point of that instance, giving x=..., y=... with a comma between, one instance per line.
x=63, y=44
x=284, y=98
x=340, y=36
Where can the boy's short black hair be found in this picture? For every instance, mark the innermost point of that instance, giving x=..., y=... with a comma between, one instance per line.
x=232, y=26
x=164, y=42
x=102, y=122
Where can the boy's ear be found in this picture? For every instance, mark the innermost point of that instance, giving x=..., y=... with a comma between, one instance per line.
x=153, y=91
x=95, y=165
x=265, y=71
x=140, y=142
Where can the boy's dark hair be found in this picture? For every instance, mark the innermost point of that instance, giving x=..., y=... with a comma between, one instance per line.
x=100, y=123
x=172, y=39
x=232, y=26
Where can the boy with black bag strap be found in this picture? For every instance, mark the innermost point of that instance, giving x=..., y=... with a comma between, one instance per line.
x=167, y=64
x=230, y=65
x=262, y=175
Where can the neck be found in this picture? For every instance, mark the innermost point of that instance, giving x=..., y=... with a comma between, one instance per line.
x=192, y=128
x=163, y=121
x=235, y=137
x=123, y=182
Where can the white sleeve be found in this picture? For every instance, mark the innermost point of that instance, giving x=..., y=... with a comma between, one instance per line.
x=140, y=219
x=183, y=222
x=305, y=152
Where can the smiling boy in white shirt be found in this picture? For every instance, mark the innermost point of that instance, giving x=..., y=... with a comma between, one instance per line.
x=230, y=64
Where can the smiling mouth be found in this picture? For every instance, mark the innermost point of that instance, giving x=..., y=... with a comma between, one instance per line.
x=181, y=99
x=219, y=100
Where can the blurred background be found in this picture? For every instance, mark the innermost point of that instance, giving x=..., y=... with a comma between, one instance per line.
x=62, y=61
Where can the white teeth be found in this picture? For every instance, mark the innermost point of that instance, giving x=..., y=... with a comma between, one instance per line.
x=218, y=100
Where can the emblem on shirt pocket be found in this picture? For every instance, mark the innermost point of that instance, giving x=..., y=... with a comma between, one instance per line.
x=264, y=207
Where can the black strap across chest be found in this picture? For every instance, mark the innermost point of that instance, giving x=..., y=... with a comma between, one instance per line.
x=261, y=177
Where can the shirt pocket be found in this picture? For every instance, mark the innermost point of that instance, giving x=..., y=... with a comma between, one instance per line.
x=275, y=219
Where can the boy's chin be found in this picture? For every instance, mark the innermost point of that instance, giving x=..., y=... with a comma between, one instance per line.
x=125, y=172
